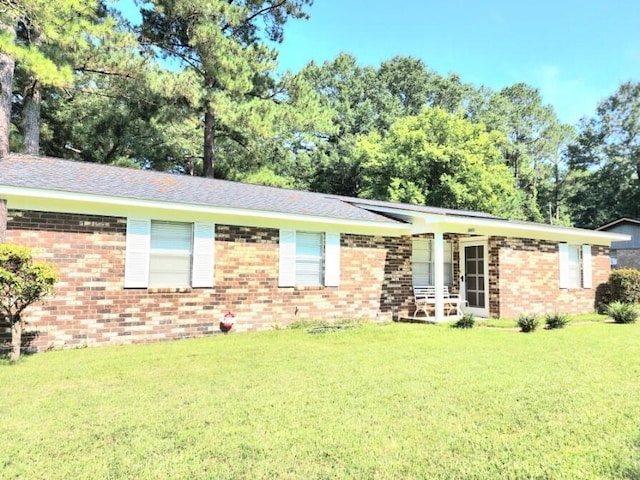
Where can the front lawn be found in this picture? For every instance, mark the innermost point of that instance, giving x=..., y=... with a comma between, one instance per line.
x=371, y=402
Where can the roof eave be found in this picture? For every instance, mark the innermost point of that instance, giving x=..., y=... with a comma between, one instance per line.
x=71, y=202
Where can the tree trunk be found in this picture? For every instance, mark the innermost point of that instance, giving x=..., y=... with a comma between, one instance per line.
x=209, y=142
x=16, y=341
x=7, y=64
x=31, y=116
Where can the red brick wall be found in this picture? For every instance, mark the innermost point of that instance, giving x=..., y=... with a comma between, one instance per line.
x=90, y=306
x=528, y=279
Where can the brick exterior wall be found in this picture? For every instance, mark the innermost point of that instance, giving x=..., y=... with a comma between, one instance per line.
x=91, y=307
x=628, y=258
x=524, y=278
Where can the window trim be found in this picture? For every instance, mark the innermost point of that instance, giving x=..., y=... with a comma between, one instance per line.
x=448, y=257
x=138, y=254
x=584, y=264
x=287, y=259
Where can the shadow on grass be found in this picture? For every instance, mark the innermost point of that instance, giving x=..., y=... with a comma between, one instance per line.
x=27, y=347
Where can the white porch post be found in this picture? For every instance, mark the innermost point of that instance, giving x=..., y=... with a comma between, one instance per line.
x=438, y=267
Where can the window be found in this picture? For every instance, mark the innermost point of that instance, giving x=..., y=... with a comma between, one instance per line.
x=309, y=258
x=162, y=254
x=422, y=264
x=575, y=265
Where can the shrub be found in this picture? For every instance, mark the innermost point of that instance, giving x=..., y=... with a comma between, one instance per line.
x=625, y=285
x=466, y=321
x=622, y=312
x=23, y=281
x=528, y=322
x=556, y=320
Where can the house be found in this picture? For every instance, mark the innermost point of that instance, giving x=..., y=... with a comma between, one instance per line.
x=624, y=253
x=144, y=255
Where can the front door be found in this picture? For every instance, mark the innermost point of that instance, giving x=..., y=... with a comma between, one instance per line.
x=474, y=280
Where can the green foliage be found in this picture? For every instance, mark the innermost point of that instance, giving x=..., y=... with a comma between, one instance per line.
x=556, y=320
x=607, y=155
x=466, y=321
x=622, y=312
x=624, y=285
x=440, y=160
x=528, y=322
x=23, y=281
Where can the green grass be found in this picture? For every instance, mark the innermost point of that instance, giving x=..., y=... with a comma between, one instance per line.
x=369, y=402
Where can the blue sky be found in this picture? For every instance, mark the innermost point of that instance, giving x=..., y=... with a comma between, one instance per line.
x=575, y=52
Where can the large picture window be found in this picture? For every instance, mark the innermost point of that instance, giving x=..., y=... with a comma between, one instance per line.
x=162, y=254
x=422, y=265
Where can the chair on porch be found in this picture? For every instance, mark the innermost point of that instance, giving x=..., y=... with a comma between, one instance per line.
x=424, y=298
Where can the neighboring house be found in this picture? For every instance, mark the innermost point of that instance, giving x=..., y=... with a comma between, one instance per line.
x=144, y=255
x=624, y=253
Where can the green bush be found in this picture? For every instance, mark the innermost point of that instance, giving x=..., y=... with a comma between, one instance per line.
x=625, y=285
x=622, y=312
x=528, y=322
x=556, y=320
x=466, y=321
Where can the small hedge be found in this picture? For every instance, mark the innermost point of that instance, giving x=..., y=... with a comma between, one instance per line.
x=624, y=285
x=528, y=322
x=556, y=320
x=622, y=312
x=466, y=321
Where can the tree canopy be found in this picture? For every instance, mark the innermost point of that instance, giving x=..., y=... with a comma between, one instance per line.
x=195, y=88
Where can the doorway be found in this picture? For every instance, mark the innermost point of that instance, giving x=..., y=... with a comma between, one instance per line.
x=474, y=279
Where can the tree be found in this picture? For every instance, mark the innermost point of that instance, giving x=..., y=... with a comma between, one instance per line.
x=607, y=154
x=37, y=38
x=224, y=46
x=23, y=281
x=440, y=160
x=518, y=111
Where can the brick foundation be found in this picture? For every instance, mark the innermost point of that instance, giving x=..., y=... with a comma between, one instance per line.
x=90, y=305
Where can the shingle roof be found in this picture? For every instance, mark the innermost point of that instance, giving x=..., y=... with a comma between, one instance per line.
x=49, y=173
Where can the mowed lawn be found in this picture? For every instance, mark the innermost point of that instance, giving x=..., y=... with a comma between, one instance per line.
x=393, y=401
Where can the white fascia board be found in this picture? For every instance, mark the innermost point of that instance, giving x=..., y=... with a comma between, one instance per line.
x=431, y=223
x=506, y=228
x=70, y=202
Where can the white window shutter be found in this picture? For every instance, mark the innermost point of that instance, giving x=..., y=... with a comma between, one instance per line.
x=332, y=259
x=287, y=260
x=587, y=278
x=563, y=262
x=203, y=255
x=137, y=245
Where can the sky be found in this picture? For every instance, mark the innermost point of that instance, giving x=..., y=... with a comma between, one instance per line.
x=575, y=52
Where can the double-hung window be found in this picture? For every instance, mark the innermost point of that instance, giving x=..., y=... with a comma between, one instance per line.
x=422, y=262
x=162, y=254
x=309, y=258
x=575, y=265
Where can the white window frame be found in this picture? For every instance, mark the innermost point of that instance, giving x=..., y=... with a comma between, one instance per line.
x=138, y=254
x=330, y=263
x=422, y=255
x=577, y=258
